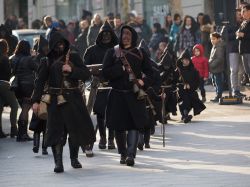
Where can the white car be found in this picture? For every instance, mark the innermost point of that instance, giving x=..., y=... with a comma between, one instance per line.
x=28, y=34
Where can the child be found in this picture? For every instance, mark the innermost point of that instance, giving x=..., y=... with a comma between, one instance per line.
x=216, y=64
x=201, y=65
x=187, y=78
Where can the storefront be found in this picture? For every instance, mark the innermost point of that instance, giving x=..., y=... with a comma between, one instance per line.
x=156, y=11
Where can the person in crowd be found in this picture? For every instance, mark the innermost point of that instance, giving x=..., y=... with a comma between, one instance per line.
x=174, y=32
x=243, y=35
x=110, y=19
x=168, y=23
x=126, y=113
x=188, y=34
x=199, y=19
x=7, y=97
x=11, y=22
x=24, y=68
x=235, y=62
x=81, y=41
x=117, y=25
x=206, y=28
x=133, y=22
x=216, y=63
x=106, y=39
x=146, y=31
x=94, y=28
x=67, y=112
x=188, y=78
x=49, y=24
x=6, y=33
x=38, y=125
x=156, y=38
x=201, y=65
x=70, y=32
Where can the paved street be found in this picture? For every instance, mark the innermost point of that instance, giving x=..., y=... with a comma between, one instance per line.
x=212, y=151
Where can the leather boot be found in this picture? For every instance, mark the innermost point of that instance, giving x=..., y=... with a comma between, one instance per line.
x=186, y=118
x=102, y=132
x=36, y=142
x=140, y=142
x=57, y=151
x=44, y=146
x=111, y=144
x=22, y=134
x=73, y=150
x=147, y=138
x=132, y=141
x=120, y=137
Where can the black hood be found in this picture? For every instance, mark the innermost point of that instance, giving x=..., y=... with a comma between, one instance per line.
x=55, y=37
x=5, y=29
x=144, y=46
x=107, y=28
x=40, y=43
x=185, y=54
x=134, y=36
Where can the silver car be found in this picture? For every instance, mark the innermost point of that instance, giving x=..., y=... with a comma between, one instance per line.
x=29, y=35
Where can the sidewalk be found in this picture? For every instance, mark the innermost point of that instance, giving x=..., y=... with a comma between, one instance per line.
x=212, y=151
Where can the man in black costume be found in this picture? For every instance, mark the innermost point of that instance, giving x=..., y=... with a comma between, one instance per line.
x=67, y=112
x=126, y=113
x=106, y=39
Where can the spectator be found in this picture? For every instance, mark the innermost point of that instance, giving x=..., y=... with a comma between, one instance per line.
x=243, y=35
x=206, y=29
x=168, y=23
x=81, y=41
x=24, y=68
x=201, y=65
x=117, y=25
x=188, y=34
x=235, y=62
x=174, y=32
x=160, y=50
x=7, y=97
x=94, y=28
x=216, y=64
x=156, y=38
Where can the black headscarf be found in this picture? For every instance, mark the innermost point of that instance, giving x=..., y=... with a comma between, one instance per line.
x=134, y=36
x=107, y=28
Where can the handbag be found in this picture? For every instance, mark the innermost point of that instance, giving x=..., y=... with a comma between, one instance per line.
x=14, y=84
x=43, y=111
x=43, y=107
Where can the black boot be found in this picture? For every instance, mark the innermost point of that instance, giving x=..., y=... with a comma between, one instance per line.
x=13, y=131
x=102, y=142
x=120, y=137
x=36, y=142
x=186, y=118
x=147, y=138
x=132, y=141
x=102, y=132
x=44, y=146
x=111, y=144
x=73, y=150
x=57, y=151
x=22, y=134
x=140, y=142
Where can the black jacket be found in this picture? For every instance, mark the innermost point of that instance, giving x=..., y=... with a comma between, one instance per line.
x=244, y=43
x=5, y=69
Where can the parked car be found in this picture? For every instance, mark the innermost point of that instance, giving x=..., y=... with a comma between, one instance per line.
x=29, y=34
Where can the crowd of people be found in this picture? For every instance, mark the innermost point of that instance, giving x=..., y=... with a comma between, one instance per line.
x=172, y=61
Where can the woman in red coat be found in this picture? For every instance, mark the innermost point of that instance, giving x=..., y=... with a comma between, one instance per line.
x=201, y=65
